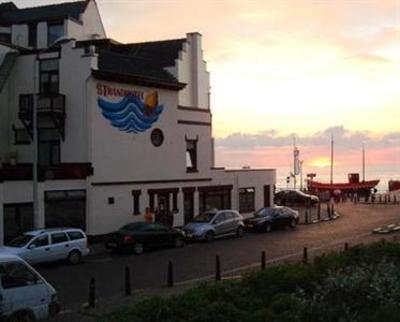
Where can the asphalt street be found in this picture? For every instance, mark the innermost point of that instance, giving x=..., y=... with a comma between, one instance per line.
x=197, y=260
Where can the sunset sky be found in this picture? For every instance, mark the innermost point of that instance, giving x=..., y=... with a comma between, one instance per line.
x=313, y=68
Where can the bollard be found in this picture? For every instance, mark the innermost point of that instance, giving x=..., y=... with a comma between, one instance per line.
x=305, y=255
x=128, y=290
x=263, y=260
x=346, y=247
x=388, y=198
x=333, y=210
x=380, y=198
x=319, y=211
x=92, y=293
x=170, y=277
x=306, y=216
x=217, y=268
x=394, y=199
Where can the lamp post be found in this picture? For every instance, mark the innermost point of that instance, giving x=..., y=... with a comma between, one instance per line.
x=59, y=41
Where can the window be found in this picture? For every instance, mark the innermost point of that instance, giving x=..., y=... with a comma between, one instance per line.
x=214, y=198
x=5, y=37
x=41, y=241
x=32, y=35
x=49, y=76
x=21, y=136
x=191, y=155
x=111, y=200
x=49, y=153
x=16, y=275
x=58, y=238
x=55, y=31
x=73, y=235
x=136, y=200
x=220, y=218
x=157, y=137
x=18, y=218
x=246, y=199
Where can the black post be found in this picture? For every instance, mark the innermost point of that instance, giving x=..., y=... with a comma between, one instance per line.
x=92, y=293
x=306, y=216
x=305, y=255
x=328, y=209
x=346, y=246
x=394, y=199
x=263, y=260
x=170, y=282
x=128, y=290
x=217, y=268
x=333, y=210
x=380, y=198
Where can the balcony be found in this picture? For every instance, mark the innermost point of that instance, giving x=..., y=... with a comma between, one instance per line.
x=50, y=111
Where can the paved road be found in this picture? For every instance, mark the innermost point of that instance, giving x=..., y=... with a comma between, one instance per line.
x=198, y=259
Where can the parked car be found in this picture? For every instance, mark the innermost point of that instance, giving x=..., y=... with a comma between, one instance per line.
x=25, y=295
x=269, y=218
x=295, y=198
x=48, y=245
x=139, y=236
x=214, y=224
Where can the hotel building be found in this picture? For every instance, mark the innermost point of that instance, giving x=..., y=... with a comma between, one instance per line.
x=121, y=127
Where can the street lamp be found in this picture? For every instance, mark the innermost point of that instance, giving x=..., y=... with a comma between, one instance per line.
x=58, y=42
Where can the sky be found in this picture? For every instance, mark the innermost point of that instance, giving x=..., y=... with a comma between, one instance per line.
x=309, y=69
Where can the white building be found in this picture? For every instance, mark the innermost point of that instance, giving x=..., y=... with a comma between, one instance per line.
x=121, y=127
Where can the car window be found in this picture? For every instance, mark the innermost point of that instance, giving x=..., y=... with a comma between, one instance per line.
x=156, y=227
x=41, y=241
x=16, y=275
x=220, y=218
x=58, y=238
x=73, y=235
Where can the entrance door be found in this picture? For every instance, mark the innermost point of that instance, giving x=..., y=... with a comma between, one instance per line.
x=18, y=218
x=163, y=207
x=188, y=206
x=267, y=196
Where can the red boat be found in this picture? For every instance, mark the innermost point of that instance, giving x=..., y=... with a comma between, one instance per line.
x=353, y=186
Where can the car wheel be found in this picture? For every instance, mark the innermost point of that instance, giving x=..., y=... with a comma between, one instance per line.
x=138, y=249
x=292, y=224
x=74, y=257
x=179, y=242
x=21, y=317
x=239, y=232
x=267, y=228
x=209, y=237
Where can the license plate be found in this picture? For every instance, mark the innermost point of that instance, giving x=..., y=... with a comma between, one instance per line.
x=189, y=235
x=249, y=225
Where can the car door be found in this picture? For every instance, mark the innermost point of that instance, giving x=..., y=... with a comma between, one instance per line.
x=38, y=250
x=161, y=235
x=59, y=245
x=232, y=222
x=218, y=223
x=23, y=289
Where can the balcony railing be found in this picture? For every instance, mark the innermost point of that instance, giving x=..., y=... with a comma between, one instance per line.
x=46, y=104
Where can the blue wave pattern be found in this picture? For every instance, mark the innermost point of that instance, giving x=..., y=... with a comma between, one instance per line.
x=129, y=114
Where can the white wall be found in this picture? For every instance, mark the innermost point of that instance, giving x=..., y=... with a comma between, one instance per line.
x=92, y=21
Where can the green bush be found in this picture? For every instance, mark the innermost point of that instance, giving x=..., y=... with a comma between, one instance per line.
x=362, y=284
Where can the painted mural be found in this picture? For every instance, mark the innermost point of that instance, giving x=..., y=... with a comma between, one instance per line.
x=132, y=114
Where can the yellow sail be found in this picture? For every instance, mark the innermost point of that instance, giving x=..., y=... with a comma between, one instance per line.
x=151, y=100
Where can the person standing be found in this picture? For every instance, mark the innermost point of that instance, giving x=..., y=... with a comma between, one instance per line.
x=148, y=216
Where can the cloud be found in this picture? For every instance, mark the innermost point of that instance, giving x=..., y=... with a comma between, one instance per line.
x=344, y=139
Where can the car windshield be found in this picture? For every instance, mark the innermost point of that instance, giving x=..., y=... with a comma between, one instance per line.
x=137, y=226
x=263, y=212
x=204, y=217
x=20, y=241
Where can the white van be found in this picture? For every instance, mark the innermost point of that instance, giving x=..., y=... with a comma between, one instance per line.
x=48, y=245
x=24, y=293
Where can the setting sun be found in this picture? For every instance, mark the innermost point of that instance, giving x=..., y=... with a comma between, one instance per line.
x=321, y=162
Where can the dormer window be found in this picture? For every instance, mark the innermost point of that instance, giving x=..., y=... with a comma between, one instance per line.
x=55, y=31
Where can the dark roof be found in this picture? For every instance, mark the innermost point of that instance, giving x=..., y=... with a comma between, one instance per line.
x=10, y=14
x=144, y=61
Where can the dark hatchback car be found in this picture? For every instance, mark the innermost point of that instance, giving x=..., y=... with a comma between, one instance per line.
x=269, y=218
x=140, y=236
x=295, y=198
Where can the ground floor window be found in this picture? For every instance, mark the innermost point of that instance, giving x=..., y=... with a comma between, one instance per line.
x=246, y=199
x=188, y=204
x=65, y=208
x=214, y=197
x=18, y=218
x=267, y=196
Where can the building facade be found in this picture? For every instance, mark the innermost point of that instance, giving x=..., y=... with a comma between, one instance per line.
x=121, y=127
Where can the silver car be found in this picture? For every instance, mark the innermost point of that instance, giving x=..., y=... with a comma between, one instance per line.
x=214, y=224
x=48, y=245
